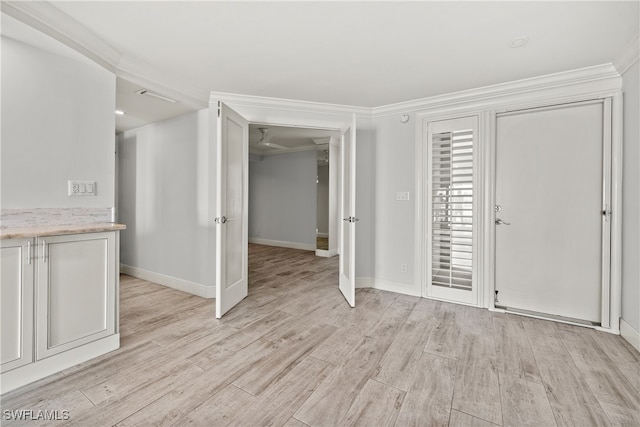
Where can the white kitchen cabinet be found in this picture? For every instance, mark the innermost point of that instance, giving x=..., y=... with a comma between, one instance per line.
x=16, y=303
x=75, y=291
x=58, y=302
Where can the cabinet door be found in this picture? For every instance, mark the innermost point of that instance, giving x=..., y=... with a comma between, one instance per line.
x=76, y=292
x=16, y=303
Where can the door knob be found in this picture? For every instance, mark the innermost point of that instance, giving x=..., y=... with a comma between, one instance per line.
x=501, y=222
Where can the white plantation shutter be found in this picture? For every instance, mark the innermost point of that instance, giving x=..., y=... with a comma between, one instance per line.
x=452, y=209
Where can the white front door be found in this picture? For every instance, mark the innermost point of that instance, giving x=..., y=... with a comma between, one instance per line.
x=232, y=152
x=452, y=203
x=552, y=240
x=348, y=213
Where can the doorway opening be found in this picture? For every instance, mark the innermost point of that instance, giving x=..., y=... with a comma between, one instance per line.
x=231, y=142
x=293, y=187
x=293, y=204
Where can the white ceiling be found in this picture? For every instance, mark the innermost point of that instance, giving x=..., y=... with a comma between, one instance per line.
x=141, y=110
x=365, y=54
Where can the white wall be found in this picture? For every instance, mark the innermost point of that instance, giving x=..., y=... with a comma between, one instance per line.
x=282, y=198
x=322, y=198
x=631, y=198
x=57, y=122
x=164, y=201
x=394, y=224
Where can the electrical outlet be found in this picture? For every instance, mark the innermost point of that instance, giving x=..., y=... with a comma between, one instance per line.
x=403, y=268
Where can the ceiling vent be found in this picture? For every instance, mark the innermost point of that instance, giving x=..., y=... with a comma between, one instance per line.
x=146, y=92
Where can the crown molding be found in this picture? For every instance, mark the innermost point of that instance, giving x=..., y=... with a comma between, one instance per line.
x=235, y=99
x=597, y=78
x=50, y=20
x=628, y=56
x=146, y=76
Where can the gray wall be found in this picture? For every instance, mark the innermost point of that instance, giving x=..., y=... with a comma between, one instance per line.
x=164, y=198
x=57, y=123
x=282, y=198
x=631, y=198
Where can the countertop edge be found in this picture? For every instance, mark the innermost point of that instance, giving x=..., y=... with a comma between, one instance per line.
x=57, y=230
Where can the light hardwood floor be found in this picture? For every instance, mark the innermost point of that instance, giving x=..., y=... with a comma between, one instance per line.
x=293, y=353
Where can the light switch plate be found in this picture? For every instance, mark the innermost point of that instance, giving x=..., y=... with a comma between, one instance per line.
x=402, y=195
x=82, y=188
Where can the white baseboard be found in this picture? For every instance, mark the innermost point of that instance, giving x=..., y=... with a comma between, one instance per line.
x=26, y=374
x=281, y=244
x=400, y=288
x=386, y=285
x=169, y=281
x=365, y=282
x=631, y=335
x=325, y=253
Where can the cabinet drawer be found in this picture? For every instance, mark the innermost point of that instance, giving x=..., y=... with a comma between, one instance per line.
x=16, y=303
x=76, y=291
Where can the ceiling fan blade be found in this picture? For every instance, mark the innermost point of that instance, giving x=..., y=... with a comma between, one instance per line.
x=272, y=145
x=264, y=141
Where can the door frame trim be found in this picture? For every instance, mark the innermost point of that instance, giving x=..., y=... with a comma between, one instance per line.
x=421, y=247
x=280, y=112
x=487, y=110
x=612, y=311
x=240, y=287
x=347, y=283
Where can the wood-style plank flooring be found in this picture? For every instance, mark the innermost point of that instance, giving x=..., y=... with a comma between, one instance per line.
x=293, y=353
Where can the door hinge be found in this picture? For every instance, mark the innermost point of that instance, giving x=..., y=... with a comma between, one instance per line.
x=606, y=212
x=219, y=109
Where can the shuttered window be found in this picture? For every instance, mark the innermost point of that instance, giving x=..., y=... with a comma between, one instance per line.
x=452, y=209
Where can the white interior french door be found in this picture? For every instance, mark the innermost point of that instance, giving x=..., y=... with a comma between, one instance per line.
x=552, y=196
x=347, y=273
x=232, y=152
x=451, y=206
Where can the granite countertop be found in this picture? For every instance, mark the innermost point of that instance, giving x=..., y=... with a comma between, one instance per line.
x=42, y=230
